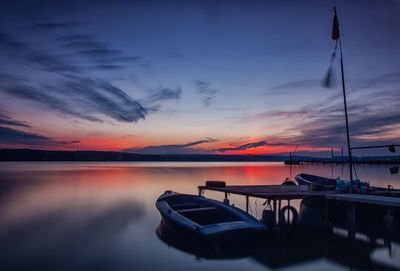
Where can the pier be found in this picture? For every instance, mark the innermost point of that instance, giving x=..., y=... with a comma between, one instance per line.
x=278, y=193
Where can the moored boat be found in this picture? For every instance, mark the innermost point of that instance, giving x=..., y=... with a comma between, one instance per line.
x=322, y=183
x=201, y=217
x=308, y=179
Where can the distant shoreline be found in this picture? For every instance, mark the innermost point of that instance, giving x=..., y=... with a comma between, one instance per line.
x=29, y=155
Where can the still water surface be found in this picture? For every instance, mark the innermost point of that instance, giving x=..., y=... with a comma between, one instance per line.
x=102, y=216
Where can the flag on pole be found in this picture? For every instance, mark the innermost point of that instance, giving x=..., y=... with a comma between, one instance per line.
x=335, y=28
x=329, y=80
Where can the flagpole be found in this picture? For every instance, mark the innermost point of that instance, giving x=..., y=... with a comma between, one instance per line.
x=345, y=113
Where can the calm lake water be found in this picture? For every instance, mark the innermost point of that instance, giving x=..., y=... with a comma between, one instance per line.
x=102, y=216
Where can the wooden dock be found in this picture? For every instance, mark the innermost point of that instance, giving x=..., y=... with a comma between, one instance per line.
x=272, y=192
x=277, y=193
x=289, y=192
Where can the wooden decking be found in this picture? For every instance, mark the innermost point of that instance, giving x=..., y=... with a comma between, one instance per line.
x=282, y=192
x=273, y=192
x=366, y=199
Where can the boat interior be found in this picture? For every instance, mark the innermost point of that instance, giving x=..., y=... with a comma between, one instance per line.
x=201, y=211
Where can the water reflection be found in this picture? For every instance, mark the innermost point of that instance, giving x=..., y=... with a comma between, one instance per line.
x=86, y=216
x=301, y=244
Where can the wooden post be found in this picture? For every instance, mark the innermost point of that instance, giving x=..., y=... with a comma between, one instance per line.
x=279, y=212
x=288, y=212
x=326, y=213
x=226, y=200
x=200, y=190
x=275, y=213
x=247, y=204
x=352, y=221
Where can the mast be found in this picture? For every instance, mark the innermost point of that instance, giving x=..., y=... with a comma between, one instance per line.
x=336, y=24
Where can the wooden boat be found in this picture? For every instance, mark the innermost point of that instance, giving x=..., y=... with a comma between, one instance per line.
x=206, y=218
x=322, y=183
x=308, y=179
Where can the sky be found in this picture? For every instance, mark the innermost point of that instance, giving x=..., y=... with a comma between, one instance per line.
x=209, y=77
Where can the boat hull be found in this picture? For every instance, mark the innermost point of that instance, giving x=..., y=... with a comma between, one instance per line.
x=201, y=218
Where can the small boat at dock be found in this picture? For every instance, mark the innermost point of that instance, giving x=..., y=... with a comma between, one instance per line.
x=322, y=184
x=205, y=218
x=308, y=179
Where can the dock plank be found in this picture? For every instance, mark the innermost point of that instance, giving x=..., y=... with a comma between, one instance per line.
x=280, y=192
x=267, y=191
x=369, y=199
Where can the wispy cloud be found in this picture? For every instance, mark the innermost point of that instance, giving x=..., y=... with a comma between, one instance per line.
x=382, y=81
x=6, y=120
x=171, y=149
x=298, y=84
x=78, y=97
x=247, y=146
x=163, y=93
x=12, y=136
x=55, y=25
x=206, y=91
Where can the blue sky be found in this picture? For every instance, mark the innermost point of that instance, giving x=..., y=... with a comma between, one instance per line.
x=196, y=76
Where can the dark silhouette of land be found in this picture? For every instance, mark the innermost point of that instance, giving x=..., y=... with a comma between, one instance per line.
x=46, y=155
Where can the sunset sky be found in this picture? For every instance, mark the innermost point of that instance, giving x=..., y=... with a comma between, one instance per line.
x=222, y=77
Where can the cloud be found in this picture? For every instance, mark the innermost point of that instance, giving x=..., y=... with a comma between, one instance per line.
x=12, y=136
x=245, y=146
x=6, y=120
x=170, y=149
x=324, y=125
x=54, y=25
x=206, y=91
x=79, y=97
x=389, y=79
x=96, y=53
x=50, y=63
x=75, y=54
x=162, y=94
x=69, y=142
x=299, y=84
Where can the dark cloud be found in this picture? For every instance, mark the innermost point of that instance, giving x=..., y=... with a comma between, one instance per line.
x=108, y=67
x=206, y=91
x=162, y=94
x=80, y=97
x=170, y=149
x=9, y=44
x=96, y=53
x=12, y=136
x=75, y=54
x=75, y=38
x=299, y=84
x=245, y=146
x=389, y=79
x=7, y=79
x=69, y=142
x=50, y=63
x=84, y=45
x=55, y=25
x=6, y=120
x=325, y=125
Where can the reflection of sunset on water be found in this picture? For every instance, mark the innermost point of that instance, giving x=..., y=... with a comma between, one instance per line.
x=89, y=209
